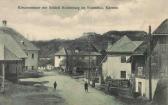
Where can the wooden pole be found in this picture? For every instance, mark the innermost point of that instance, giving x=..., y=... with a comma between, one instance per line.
x=3, y=78
x=89, y=75
x=150, y=72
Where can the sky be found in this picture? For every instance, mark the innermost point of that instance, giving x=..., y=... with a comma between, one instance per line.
x=46, y=24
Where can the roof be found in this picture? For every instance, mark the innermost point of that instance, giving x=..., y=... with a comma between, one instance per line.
x=141, y=50
x=162, y=29
x=124, y=45
x=18, y=38
x=85, y=53
x=64, y=52
x=61, y=52
x=10, y=49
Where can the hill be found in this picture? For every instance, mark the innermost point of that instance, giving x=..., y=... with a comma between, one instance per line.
x=49, y=48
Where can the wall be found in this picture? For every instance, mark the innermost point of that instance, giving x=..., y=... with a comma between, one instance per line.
x=29, y=61
x=57, y=60
x=112, y=67
x=145, y=86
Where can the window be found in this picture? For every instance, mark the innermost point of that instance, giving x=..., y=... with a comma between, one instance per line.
x=32, y=56
x=123, y=74
x=140, y=70
x=83, y=57
x=123, y=59
x=32, y=67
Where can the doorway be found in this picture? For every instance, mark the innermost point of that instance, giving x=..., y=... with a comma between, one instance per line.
x=140, y=88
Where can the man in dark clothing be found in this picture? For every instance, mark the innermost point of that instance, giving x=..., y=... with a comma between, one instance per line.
x=55, y=85
x=86, y=86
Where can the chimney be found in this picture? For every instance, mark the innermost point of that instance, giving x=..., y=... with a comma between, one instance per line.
x=4, y=22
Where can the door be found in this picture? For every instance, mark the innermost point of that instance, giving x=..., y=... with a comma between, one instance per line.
x=140, y=88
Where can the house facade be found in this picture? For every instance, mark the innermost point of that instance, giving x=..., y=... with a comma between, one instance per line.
x=31, y=62
x=12, y=57
x=59, y=58
x=116, y=65
x=31, y=51
x=159, y=61
x=140, y=74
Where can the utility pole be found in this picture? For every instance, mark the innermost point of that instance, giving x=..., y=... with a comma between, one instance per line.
x=150, y=72
x=89, y=70
x=3, y=78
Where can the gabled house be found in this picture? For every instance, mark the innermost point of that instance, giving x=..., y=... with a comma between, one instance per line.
x=31, y=51
x=17, y=54
x=59, y=58
x=12, y=57
x=116, y=66
x=139, y=73
x=159, y=61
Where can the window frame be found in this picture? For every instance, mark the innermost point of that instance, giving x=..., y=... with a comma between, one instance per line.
x=123, y=74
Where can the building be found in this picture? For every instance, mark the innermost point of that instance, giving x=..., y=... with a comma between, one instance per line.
x=139, y=72
x=79, y=62
x=160, y=50
x=159, y=61
x=31, y=61
x=116, y=65
x=60, y=56
x=12, y=56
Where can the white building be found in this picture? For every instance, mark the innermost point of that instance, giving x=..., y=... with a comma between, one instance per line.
x=59, y=57
x=116, y=65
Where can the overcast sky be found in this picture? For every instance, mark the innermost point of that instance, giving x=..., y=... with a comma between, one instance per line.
x=38, y=24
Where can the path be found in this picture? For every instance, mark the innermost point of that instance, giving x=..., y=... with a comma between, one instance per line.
x=73, y=92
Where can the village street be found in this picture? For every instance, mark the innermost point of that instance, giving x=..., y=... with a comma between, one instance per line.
x=73, y=91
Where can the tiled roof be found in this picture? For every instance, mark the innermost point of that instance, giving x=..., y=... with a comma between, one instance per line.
x=61, y=52
x=18, y=38
x=141, y=50
x=124, y=45
x=85, y=53
x=10, y=49
x=162, y=29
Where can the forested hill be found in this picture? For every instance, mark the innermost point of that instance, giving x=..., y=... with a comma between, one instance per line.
x=49, y=48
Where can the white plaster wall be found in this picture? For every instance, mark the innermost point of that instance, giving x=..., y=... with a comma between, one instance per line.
x=113, y=66
x=57, y=60
x=29, y=61
x=145, y=86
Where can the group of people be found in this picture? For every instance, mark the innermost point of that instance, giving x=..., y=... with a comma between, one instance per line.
x=85, y=86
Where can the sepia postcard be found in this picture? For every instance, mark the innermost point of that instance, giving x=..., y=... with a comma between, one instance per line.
x=83, y=52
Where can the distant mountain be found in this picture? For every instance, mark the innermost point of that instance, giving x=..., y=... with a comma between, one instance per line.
x=49, y=48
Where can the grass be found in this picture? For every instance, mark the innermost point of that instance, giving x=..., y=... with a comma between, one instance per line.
x=16, y=94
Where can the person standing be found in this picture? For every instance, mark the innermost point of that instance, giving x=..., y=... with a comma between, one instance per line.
x=86, y=86
x=55, y=85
